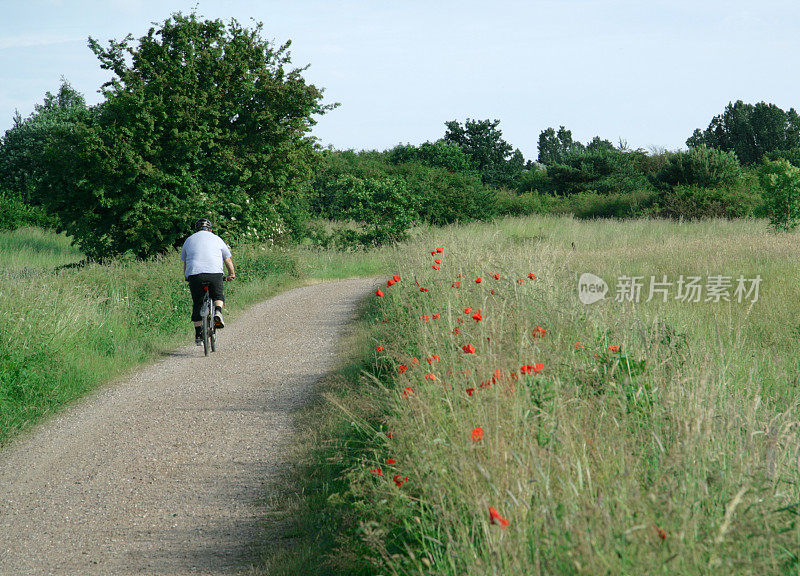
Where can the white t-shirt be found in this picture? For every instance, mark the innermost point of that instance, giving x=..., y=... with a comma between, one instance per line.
x=203, y=253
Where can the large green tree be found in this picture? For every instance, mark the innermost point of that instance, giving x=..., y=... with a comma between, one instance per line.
x=200, y=119
x=498, y=163
x=750, y=130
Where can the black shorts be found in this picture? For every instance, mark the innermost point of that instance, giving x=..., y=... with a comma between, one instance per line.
x=197, y=284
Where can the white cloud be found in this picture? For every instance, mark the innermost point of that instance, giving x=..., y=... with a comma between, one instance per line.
x=29, y=40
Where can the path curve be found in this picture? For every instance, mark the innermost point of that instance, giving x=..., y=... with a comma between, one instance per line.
x=163, y=473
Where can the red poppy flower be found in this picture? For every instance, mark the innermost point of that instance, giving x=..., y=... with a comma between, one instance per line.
x=491, y=292
x=415, y=361
x=477, y=316
x=436, y=316
x=614, y=348
x=496, y=276
x=400, y=480
x=440, y=250
x=520, y=281
x=431, y=377
x=539, y=331
x=435, y=266
x=396, y=278
x=578, y=345
x=379, y=293
x=391, y=461
x=455, y=285
x=469, y=349
x=377, y=471
x=496, y=377
x=423, y=289
x=532, y=276
x=433, y=252
x=456, y=330
x=390, y=283
x=470, y=391
x=409, y=391
x=433, y=358
x=402, y=369
x=478, y=280
x=467, y=310
x=486, y=384
x=495, y=518
x=390, y=435
x=379, y=348
x=477, y=434
x=438, y=260
x=661, y=533
x=526, y=369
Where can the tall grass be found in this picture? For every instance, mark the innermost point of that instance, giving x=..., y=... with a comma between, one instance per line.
x=64, y=330
x=676, y=454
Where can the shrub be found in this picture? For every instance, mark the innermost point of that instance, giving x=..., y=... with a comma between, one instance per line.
x=600, y=170
x=780, y=184
x=695, y=202
x=701, y=166
x=14, y=213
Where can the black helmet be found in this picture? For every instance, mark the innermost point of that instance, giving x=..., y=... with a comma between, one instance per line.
x=202, y=224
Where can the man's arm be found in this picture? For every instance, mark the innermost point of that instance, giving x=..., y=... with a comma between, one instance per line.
x=229, y=265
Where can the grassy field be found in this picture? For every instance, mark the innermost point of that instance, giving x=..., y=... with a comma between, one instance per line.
x=67, y=328
x=609, y=438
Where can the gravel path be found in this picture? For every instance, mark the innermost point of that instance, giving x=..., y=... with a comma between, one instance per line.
x=164, y=473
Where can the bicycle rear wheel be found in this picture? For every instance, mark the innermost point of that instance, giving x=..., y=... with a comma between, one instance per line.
x=205, y=317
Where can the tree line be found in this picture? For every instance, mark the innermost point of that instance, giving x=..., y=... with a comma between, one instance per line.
x=204, y=118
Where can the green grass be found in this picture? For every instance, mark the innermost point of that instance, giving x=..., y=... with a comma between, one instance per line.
x=677, y=454
x=64, y=330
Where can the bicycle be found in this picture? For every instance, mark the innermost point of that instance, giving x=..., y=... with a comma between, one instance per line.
x=209, y=329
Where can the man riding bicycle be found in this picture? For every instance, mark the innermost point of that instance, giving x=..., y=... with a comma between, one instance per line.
x=203, y=255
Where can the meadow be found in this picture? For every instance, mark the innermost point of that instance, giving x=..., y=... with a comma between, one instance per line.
x=548, y=436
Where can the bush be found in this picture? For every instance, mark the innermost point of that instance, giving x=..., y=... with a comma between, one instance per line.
x=14, y=213
x=600, y=170
x=694, y=202
x=792, y=155
x=701, y=166
x=780, y=184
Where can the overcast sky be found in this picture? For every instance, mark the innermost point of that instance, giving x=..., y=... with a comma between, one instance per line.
x=646, y=71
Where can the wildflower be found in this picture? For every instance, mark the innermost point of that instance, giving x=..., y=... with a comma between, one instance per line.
x=390, y=435
x=430, y=377
x=467, y=310
x=661, y=533
x=402, y=369
x=495, y=518
x=614, y=348
x=532, y=368
x=415, y=361
x=532, y=276
x=435, y=266
x=390, y=283
x=409, y=391
x=435, y=316
x=491, y=292
x=400, y=480
x=456, y=330
x=440, y=250
x=496, y=377
x=433, y=252
x=433, y=358
x=379, y=293
x=520, y=281
x=486, y=384
x=496, y=276
x=377, y=471
x=469, y=349
x=538, y=367
x=470, y=391
x=423, y=289
x=379, y=349
x=539, y=331
x=578, y=345
x=391, y=461
x=477, y=316
x=438, y=260
x=526, y=369
x=396, y=278
x=477, y=434
x=478, y=280
x=455, y=285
